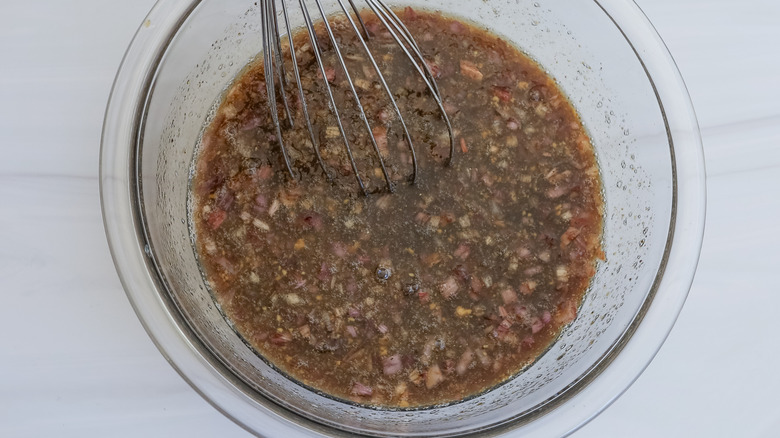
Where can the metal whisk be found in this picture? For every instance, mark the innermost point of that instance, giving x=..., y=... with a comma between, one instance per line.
x=274, y=65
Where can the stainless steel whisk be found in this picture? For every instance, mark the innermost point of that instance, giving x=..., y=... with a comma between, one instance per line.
x=274, y=65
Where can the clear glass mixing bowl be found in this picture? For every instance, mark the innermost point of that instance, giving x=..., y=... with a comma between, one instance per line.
x=616, y=70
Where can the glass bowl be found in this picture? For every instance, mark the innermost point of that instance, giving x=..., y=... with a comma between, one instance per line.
x=618, y=74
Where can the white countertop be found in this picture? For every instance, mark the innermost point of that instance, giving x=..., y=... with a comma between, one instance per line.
x=76, y=362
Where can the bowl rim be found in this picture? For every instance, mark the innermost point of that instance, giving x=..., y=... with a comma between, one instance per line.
x=136, y=266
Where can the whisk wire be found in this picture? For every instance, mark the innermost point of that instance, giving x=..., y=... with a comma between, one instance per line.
x=268, y=60
x=355, y=95
x=318, y=57
x=280, y=70
x=301, y=96
x=390, y=20
x=386, y=88
x=360, y=19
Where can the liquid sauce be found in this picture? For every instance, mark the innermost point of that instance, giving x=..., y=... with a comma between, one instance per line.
x=431, y=294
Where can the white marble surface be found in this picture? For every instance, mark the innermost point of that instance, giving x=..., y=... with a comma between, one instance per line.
x=76, y=362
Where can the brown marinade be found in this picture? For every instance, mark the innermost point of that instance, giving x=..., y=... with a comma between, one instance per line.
x=428, y=295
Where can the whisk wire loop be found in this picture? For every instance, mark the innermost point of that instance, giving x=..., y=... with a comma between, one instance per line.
x=387, y=91
x=301, y=96
x=355, y=95
x=316, y=49
x=268, y=61
x=391, y=21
